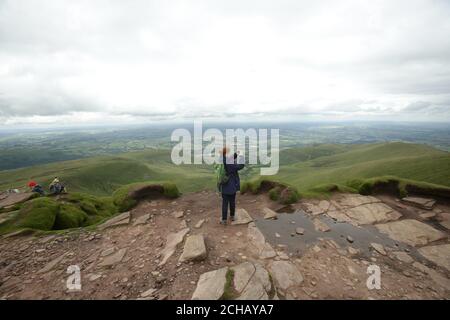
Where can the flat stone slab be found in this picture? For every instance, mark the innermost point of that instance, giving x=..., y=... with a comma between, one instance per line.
x=371, y=213
x=269, y=214
x=142, y=219
x=113, y=259
x=425, y=203
x=119, y=220
x=242, y=217
x=172, y=241
x=211, y=285
x=439, y=254
x=412, y=232
x=14, y=198
x=355, y=200
x=194, y=249
x=258, y=242
x=251, y=281
x=285, y=274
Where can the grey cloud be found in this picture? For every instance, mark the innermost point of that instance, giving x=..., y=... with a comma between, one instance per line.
x=167, y=57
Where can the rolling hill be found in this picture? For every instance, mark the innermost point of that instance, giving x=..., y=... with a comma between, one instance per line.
x=303, y=167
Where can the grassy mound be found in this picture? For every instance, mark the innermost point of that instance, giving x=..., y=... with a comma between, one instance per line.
x=278, y=191
x=127, y=197
x=68, y=211
x=39, y=213
x=69, y=216
x=96, y=208
x=400, y=187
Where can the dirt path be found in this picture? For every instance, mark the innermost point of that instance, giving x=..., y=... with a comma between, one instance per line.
x=124, y=262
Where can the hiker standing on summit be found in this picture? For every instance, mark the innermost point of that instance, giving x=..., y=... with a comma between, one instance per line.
x=231, y=184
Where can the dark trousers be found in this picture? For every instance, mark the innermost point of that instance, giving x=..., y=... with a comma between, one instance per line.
x=228, y=199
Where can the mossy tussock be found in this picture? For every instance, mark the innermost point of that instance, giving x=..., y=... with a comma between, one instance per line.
x=126, y=197
x=400, y=187
x=278, y=191
x=76, y=210
x=65, y=212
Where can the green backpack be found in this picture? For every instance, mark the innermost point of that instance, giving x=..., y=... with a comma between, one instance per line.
x=221, y=175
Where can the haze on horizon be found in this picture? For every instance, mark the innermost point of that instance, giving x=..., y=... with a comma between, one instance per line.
x=96, y=62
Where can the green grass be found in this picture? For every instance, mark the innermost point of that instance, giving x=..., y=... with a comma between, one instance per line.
x=39, y=213
x=360, y=162
x=313, y=170
x=229, y=293
x=68, y=212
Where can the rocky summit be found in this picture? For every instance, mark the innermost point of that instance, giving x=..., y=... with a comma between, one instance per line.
x=165, y=249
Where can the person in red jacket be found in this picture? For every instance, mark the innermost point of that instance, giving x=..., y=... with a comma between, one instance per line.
x=36, y=187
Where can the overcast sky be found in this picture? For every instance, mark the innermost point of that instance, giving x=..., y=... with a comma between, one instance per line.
x=121, y=61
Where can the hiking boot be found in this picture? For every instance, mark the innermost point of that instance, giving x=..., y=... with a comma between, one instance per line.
x=232, y=218
x=223, y=222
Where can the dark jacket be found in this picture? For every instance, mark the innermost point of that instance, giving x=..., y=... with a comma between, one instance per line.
x=234, y=184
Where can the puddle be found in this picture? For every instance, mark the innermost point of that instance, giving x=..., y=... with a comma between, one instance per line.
x=284, y=226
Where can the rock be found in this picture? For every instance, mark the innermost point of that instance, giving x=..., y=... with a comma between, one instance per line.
x=242, y=217
x=313, y=209
x=119, y=220
x=320, y=226
x=352, y=251
x=403, y=256
x=93, y=276
x=194, y=249
x=350, y=239
x=324, y=205
x=424, y=203
x=172, y=241
x=285, y=274
x=178, y=214
x=269, y=214
x=14, y=198
x=114, y=258
x=211, y=285
x=242, y=274
x=427, y=215
x=283, y=256
x=445, y=224
x=148, y=293
x=411, y=232
x=258, y=242
x=52, y=264
x=372, y=213
x=199, y=224
x=107, y=252
x=277, y=235
x=378, y=248
x=300, y=231
x=142, y=219
x=355, y=200
x=439, y=254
